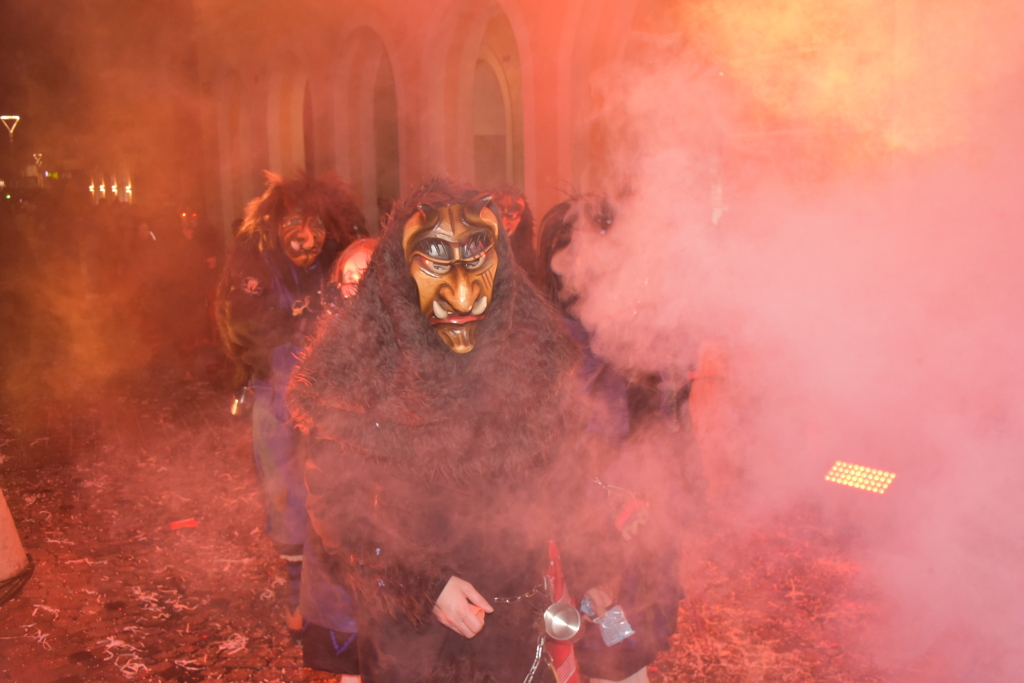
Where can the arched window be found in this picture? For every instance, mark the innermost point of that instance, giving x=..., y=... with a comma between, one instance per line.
x=238, y=178
x=366, y=123
x=385, y=134
x=498, y=107
x=290, y=119
x=308, y=137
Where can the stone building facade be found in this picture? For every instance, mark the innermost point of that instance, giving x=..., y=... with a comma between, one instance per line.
x=387, y=94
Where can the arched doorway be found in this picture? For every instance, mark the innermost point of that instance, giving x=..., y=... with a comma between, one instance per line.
x=472, y=88
x=385, y=129
x=366, y=123
x=308, y=133
x=237, y=177
x=290, y=118
x=498, y=107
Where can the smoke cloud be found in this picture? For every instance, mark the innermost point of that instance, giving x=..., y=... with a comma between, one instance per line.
x=821, y=202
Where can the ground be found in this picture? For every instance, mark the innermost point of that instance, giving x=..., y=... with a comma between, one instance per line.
x=780, y=602
x=95, y=486
x=98, y=482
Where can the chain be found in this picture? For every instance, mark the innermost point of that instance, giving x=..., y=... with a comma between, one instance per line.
x=536, y=660
x=536, y=590
x=611, y=488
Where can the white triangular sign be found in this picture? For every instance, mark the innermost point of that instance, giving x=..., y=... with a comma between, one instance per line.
x=10, y=122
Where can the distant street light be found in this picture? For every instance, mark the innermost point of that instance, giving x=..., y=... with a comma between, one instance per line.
x=10, y=122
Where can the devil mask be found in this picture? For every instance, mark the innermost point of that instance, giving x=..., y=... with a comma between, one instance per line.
x=302, y=238
x=512, y=208
x=451, y=255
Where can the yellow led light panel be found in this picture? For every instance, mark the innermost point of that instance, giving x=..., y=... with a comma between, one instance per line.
x=860, y=477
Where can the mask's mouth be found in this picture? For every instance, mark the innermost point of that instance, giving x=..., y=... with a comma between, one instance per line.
x=456, y=320
x=445, y=315
x=296, y=249
x=300, y=255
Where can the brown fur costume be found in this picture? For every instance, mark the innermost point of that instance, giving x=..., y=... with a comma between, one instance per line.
x=249, y=329
x=325, y=197
x=427, y=463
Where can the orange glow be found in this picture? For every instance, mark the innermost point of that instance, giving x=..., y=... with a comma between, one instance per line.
x=809, y=62
x=870, y=75
x=860, y=477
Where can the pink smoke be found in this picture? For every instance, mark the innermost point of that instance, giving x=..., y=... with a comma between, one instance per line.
x=864, y=292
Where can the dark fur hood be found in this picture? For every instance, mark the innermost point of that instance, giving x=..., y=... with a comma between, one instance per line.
x=378, y=378
x=326, y=197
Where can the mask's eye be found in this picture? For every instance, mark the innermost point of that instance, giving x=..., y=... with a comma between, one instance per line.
x=476, y=246
x=435, y=266
x=436, y=250
x=435, y=255
x=475, y=249
x=296, y=223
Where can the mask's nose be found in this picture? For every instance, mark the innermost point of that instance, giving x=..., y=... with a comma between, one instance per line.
x=304, y=238
x=461, y=293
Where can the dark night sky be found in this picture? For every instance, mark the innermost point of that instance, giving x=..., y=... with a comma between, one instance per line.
x=102, y=84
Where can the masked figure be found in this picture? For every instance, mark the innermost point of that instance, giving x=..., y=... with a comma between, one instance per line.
x=443, y=412
x=643, y=472
x=452, y=259
x=517, y=219
x=269, y=295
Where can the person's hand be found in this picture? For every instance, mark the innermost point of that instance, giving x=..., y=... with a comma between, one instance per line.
x=632, y=516
x=601, y=600
x=461, y=608
x=300, y=306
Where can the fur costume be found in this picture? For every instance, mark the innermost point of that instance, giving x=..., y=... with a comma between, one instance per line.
x=326, y=197
x=250, y=320
x=267, y=301
x=426, y=463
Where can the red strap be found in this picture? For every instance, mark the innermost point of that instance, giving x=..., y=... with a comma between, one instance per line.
x=554, y=573
x=563, y=658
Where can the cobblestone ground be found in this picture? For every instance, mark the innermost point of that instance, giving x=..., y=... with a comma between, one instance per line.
x=95, y=485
